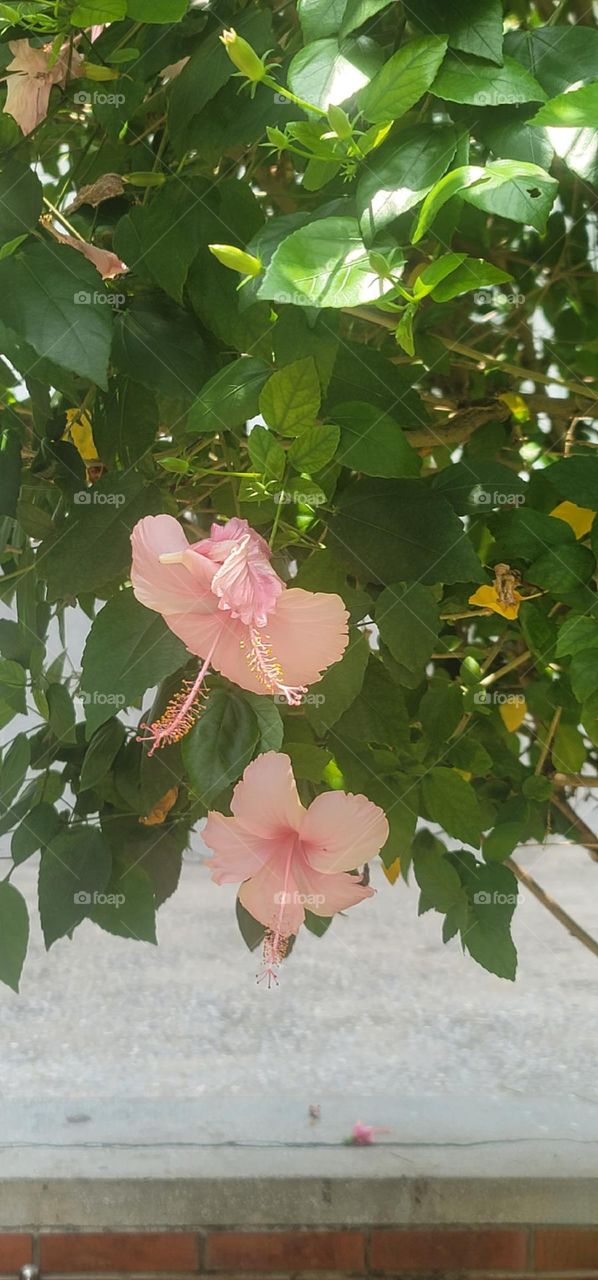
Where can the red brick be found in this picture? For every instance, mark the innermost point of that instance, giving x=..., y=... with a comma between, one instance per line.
x=569, y=1247
x=285, y=1250
x=429, y=1250
x=14, y=1251
x=126, y=1251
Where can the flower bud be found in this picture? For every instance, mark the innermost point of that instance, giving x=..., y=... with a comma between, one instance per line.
x=236, y=259
x=339, y=121
x=244, y=57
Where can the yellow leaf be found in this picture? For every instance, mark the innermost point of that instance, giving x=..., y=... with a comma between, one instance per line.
x=487, y=598
x=79, y=432
x=392, y=872
x=579, y=519
x=513, y=712
x=464, y=773
x=516, y=404
x=160, y=811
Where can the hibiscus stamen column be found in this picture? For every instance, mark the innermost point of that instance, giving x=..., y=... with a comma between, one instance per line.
x=266, y=667
x=276, y=943
x=181, y=713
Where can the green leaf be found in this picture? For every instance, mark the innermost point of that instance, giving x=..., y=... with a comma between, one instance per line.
x=474, y=26
x=473, y=273
x=571, y=110
x=401, y=173
x=315, y=447
x=156, y=10
x=583, y=674
x=325, y=264
x=408, y=620
x=54, y=299
x=492, y=892
x=269, y=719
x=230, y=397
x=129, y=649
x=516, y=190
x=568, y=750
x=267, y=455
x=403, y=80
x=308, y=761
x=401, y=526
x=13, y=686
x=326, y=72
x=94, y=546
x=21, y=200
x=15, y=764
x=439, y=882
x=372, y=442
x=558, y=57
x=359, y=11
x=61, y=713
x=526, y=533
x=160, y=348
x=576, y=480
x=161, y=239
x=563, y=570
x=465, y=79
x=14, y=934
x=477, y=488
x=129, y=908
x=454, y=183
x=290, y=400
x=327, y=700
x=105, y=745
x=577, y=632
x=440, y=711
x=95, y=11
x=320, y=18
x=35, y=831
x=10, y=471
x=74, y=867
x=453, y=803
x=220, y=745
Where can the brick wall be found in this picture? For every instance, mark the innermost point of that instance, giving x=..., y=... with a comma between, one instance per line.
x=458, y=1253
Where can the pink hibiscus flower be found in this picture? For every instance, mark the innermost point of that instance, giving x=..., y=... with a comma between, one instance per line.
x=32, y=78
x=223, y=599
x=289, y=858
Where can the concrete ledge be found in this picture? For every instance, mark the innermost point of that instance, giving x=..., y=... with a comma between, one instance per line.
x=238, y=1163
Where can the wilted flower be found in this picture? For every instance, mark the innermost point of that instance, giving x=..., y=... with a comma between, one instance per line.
x=31, y=76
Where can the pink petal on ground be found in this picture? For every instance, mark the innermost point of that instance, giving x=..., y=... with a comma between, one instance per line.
x=169, y=588
x=273, y=899
x=340, y=832
x=308, y=631
x=265, y=801
x=107, y=263
x=237, y=853
x=327, y=894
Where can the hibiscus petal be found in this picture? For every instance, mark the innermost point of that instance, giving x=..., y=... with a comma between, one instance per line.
x=308, y=631
x=168, y=588
x=237, y=853
x=340, y=832
x=327, y=894
x=273, y=899
x=265, y=801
